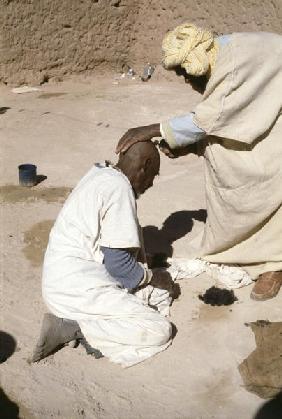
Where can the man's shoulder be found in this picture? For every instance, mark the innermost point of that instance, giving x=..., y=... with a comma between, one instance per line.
x=114, y=176
x=100, y=173
x=100, y=184
x=261, y=39
x=109, y=179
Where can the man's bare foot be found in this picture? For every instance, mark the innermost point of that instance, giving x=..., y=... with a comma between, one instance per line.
x=55, y=332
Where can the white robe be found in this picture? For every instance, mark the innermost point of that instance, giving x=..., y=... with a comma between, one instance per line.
x=101, y=211
x=241, y=114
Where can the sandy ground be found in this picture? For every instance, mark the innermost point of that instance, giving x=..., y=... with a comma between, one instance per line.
x=64, y=129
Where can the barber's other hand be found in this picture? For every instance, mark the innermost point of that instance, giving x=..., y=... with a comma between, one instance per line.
x=135, y=135
x=178, y=152
x=164, y=148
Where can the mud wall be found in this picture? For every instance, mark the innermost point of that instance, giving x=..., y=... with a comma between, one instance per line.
x=221, y=16
x=45, y=39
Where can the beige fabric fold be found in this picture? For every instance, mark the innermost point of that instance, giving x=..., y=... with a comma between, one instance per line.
x=241, y=112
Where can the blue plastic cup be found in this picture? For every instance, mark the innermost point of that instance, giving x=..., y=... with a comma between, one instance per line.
x=27, y=175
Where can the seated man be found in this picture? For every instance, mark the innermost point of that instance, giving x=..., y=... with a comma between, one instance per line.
x=90, y=266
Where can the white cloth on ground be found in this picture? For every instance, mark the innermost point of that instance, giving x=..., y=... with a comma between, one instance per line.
x=101, y=211
x=230, y=276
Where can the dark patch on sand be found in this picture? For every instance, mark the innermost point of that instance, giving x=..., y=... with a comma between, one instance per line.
x=261, y=371
x=218, y=297
x=210, y=314
x=36, y=240
x=50, y=95
x=12, y=194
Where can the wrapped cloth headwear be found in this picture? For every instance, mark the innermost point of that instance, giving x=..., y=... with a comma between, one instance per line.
x=191, y=47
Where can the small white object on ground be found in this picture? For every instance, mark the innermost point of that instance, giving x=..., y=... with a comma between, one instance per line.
x=25, y=89
x=231, y=277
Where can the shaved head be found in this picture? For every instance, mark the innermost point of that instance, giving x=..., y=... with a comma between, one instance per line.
x=139, y=152
x=140, y=163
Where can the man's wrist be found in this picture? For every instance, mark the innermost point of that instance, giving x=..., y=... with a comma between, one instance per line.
x=148, y=274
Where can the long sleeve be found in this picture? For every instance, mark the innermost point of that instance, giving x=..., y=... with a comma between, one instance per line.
x=123, y=267
x=181, y=131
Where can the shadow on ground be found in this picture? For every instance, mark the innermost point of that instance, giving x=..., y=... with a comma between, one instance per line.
x=272, y=409
x=8, y=346
x=40, y=178
x=177, y=225
x=8, y=409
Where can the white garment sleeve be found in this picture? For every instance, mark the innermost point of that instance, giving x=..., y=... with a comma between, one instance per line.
x=181, y=131
x=119, y=223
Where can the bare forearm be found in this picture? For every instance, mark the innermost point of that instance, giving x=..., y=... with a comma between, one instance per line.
x=135, y=135
x=154, y=130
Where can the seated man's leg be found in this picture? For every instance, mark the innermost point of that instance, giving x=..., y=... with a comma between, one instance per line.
x=111, y=320
x=129, y=339
x=55, y=332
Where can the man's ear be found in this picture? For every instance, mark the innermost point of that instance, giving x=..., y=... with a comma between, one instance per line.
x=147, y=164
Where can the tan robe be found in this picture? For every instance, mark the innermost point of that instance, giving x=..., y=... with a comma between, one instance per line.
x=241, y=114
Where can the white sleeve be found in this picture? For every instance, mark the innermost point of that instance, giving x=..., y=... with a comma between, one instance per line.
x=181, y=131
x=119, y=223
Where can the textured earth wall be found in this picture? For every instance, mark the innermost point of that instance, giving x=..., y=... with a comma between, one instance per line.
x=45, y=39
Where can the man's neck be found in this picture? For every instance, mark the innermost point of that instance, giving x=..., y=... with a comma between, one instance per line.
x=124, y=172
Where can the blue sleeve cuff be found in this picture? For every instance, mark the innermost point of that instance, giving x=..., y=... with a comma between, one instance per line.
x=181, y=131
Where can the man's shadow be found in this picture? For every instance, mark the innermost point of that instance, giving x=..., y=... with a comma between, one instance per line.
x=8, y=409
x=8, y=346
x=177, y=225
x=272, y=409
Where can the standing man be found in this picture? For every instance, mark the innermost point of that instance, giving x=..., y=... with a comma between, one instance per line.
x=239, y=126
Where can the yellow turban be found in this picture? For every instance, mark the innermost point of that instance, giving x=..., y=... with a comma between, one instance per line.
x=193, y=48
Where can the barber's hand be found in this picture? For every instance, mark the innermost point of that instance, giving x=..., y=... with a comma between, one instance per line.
x=178, y=152
x=164, y=148
x=135, y=135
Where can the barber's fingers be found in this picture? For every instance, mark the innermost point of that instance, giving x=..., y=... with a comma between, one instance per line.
x=125, y=143
x=131, y=137
x=164, y=148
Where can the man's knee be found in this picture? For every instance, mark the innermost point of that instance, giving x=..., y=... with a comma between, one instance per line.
x=160, y=332
x=167, y=332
